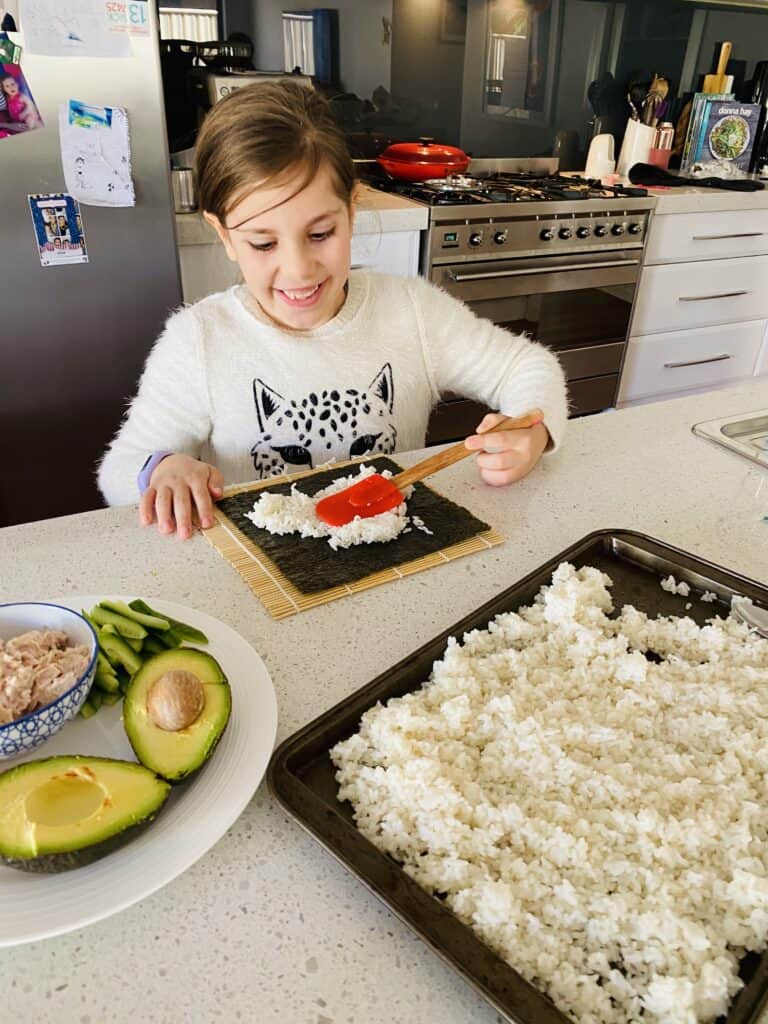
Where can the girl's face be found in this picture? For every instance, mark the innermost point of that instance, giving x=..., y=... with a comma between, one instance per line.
x=293, y=249
x=10, y=86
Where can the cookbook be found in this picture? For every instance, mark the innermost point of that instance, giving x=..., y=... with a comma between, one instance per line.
x=724, y=134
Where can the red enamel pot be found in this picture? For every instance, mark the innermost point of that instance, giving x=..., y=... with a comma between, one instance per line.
x=419, y=161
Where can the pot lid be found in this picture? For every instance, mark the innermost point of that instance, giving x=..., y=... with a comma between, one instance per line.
x=425, y=151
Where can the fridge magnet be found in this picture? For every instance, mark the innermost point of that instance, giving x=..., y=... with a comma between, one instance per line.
x=71, y=28
x=58, y=229
x=10, y=52
x=18, y=111
x=96, y=154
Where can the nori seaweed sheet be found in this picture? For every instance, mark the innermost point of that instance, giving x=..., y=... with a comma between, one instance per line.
x=312, y=565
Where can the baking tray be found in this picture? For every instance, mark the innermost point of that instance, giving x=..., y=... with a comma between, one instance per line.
x=301, y=774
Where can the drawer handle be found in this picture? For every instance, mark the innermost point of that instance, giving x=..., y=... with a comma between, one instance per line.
x=705, y=298
x=699, y=362
x=715, y=238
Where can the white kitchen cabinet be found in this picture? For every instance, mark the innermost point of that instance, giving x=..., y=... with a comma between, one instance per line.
x=396, y=252
x=723, y=234
x=701, y=308
x=681, y=296
x=659, y=364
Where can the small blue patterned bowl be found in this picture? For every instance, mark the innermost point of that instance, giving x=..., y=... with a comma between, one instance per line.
x=29, y=731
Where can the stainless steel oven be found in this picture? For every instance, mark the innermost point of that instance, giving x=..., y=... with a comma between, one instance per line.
x=564, y=273
x=578, y=305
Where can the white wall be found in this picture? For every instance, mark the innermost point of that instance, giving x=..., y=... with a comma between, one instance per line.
x=364, y=58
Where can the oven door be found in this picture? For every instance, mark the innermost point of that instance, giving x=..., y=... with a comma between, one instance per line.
x=578, y=305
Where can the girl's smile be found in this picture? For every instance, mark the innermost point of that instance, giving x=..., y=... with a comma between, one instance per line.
x=293, y=248
x=301, y=298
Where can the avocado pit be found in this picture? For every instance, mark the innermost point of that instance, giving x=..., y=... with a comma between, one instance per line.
x=175, y=700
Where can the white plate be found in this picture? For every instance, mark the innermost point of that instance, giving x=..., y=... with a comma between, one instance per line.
x=38, y=906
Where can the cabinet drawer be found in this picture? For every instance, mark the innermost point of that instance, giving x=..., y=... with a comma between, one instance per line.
x=396, y=252
x=661, y=363
x=677, y=297
x=680, y=237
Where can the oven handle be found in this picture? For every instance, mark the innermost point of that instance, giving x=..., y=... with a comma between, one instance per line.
x=699, y=362
x=487, y=275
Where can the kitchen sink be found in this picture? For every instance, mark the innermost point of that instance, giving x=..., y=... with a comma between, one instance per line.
x=745, y=434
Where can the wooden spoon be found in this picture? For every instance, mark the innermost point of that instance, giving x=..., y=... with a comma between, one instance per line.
x=376, y=494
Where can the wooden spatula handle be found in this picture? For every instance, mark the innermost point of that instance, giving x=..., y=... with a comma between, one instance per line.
x=725, y=56
x=457, y=452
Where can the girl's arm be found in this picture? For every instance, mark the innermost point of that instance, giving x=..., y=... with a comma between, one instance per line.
x=477, y=359
x=171, y=411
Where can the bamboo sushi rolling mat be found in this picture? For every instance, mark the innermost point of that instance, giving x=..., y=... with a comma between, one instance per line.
x=279, y=594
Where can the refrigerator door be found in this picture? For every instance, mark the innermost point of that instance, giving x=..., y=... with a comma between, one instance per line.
x=73, y=339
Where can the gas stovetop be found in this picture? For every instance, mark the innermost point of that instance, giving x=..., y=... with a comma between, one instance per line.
x=509, y=187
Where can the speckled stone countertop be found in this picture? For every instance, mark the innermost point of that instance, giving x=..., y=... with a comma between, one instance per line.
x=689, y=199
x=267, y=926
x=375, y=212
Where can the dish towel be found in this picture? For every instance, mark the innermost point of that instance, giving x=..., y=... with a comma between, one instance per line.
x=647, y=174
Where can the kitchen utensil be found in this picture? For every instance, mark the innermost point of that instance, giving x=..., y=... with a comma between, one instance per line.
x=28, y=731
x=655, y=101
x=636, y=146
x=600, y=158
x=184, y=189
x=301, y=774
x=717, y=82
x=376, y=494
x=661, y=150
x=419, y=161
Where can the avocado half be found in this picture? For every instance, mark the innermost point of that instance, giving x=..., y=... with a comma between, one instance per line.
x=177, y=753
x=65, y=812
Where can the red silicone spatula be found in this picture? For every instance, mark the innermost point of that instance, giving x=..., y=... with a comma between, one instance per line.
x=376, y=494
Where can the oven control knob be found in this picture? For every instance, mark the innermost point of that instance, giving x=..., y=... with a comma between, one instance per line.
x=476, y=238
x=601, y=230
x=617, y=229
x=582, y=232
x=635, y=229
x=500, y=237
x=547, y=235
x=565, y=232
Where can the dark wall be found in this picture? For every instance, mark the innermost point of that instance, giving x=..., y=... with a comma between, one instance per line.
x=427, y=68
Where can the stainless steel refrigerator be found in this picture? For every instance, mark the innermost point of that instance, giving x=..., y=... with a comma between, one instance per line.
x=73, y=339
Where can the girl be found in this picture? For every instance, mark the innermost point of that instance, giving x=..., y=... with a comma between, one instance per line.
x=306, y=361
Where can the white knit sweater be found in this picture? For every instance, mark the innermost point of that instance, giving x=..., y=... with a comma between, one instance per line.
x=224, y=385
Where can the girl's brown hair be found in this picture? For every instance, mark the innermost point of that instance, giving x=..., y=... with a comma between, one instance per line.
x=264, y=133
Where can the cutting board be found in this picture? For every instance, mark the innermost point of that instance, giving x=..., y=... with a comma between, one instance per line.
x=718, y=81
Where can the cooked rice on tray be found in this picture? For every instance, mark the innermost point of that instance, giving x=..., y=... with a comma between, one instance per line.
x=597, y=817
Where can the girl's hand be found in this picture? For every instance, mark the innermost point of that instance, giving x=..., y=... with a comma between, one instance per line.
x=506, y=455
x=179, y=487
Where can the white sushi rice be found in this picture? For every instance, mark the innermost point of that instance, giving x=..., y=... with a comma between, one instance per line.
x=671, y=585
x=295, y=513
x=598, y=818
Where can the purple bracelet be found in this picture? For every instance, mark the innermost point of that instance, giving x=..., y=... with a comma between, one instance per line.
x=148, y=468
